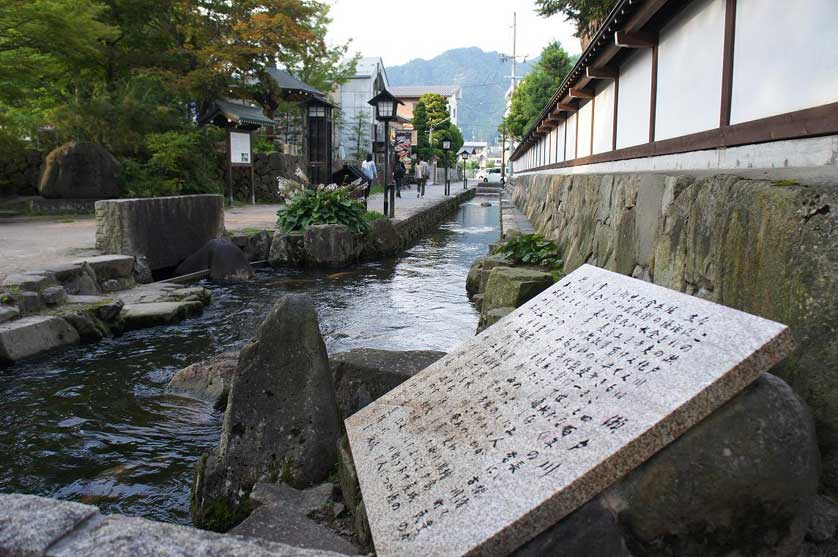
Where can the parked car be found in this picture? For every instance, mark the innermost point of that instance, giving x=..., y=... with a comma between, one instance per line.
x=493, y=175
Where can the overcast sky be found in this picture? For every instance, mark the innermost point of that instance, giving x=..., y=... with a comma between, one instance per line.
x=401, y=31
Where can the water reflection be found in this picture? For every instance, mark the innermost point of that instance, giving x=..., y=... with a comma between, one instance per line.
x=94, y=424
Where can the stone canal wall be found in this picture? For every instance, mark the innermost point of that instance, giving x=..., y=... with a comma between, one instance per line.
x=164, y=230
x=334, y=245
x=767, y=248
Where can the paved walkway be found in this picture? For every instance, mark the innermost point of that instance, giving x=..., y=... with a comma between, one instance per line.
x=408, y=203
x=512, y=219
x=30, y=243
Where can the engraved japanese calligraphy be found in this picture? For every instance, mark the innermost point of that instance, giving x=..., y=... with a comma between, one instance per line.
x=524, y=423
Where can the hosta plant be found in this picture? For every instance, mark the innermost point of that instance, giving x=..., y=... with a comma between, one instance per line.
x=322, y=206
x=531, y=249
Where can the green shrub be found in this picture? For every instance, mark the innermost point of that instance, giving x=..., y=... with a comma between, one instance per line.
x=374, y=215
x=531, y=249
x=321, y=207
x=262, y=144
x=181, y=162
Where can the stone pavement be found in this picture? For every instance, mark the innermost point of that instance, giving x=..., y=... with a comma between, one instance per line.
x=28, y=243
x=408, y=203
x=512, y=219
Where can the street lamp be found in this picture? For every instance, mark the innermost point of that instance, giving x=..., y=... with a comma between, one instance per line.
x=385, y=111
x=446, y=146
x=464, y=156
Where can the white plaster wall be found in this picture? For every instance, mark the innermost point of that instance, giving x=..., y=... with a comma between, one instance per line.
x=571, y=137
x=785, y=57
x=634, y=99
x=560, y=143
x=585, y=116
x=690, y=56
x=809, y=161
x=604, y=117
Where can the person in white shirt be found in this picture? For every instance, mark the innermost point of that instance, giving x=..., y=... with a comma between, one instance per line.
x=370, y=171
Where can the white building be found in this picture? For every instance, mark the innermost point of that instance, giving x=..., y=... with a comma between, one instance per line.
x=357, y=117
x=747, y=86
x=410, y=94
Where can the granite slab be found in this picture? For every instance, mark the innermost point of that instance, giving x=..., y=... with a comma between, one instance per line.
x=521, y=425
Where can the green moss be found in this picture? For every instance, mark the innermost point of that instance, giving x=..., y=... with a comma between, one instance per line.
x=785, y=183
x=219, y=515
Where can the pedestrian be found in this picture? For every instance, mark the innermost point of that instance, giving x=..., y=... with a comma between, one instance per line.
x=399, y=171
x=423, y=171
x=418, y=174
x=370, y=172
x=426, y=172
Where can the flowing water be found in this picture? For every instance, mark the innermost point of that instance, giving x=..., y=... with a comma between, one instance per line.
x=94, y=423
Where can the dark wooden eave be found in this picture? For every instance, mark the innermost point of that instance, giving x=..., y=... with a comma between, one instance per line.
x=627, y=16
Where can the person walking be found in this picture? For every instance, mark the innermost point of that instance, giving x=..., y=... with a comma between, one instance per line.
x=370, y=172
x=399, y=171
x=423, y=171
x=418, y=175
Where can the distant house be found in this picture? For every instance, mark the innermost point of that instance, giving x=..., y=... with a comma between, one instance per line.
x=410, y=94
x=358, y=127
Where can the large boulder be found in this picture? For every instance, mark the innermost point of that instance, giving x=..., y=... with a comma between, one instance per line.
x=364, y=374
x=513, y=287
x=741, y=482
x=382, y=239
x=224, y=260
x=281, y=422
x=80, y=170
x=282, y=515
x=478, y=274
x=287, y=250
x=208, y=380
x=330, y=245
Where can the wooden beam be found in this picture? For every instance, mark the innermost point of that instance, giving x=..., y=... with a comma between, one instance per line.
x=653, y=106
x=604, y=72
x=727, y=63
x=566, y=107
x=635, y=40
x=579, y=94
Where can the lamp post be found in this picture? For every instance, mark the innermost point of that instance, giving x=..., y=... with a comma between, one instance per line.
x=446, y=146
x=385, y=111
x=464, y=156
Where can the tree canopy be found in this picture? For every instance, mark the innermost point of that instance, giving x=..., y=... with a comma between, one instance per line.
x=587, y=15
x=537, y=88
x=432, y=110
x=123, y=73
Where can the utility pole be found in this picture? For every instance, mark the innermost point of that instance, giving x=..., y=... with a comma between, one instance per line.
x=514, y=76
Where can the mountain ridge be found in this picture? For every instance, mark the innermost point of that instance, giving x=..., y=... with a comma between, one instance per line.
x=481, y=76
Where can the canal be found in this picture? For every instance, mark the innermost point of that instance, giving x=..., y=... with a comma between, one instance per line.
x=94, y=423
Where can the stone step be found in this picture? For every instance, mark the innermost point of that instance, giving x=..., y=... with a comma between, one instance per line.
x=26, y=337
x=109, y=266
x=140, y=316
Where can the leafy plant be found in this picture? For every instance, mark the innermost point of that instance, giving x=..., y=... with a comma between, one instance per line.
x=322, y=207
x=531, y=249
x=371, y=216
x=181, y=162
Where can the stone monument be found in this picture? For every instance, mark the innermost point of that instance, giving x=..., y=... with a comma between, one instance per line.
x=521, y=425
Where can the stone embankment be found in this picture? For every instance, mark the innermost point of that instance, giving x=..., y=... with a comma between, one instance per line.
x=39, y=527
x=163, y=230
x=767, y=248
x=86, y=301
x=334, y=245
x=497, y=285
